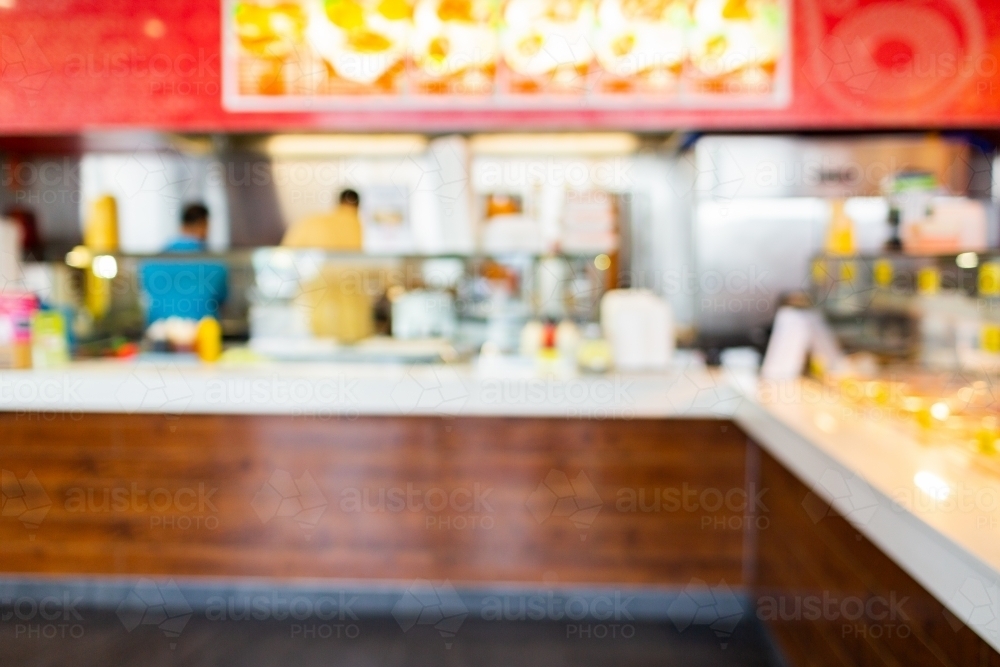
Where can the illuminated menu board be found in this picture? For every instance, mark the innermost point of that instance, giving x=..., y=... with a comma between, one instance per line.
x=303, y=55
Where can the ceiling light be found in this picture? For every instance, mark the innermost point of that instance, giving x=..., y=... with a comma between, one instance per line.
x=330, y=145
x=603, y=143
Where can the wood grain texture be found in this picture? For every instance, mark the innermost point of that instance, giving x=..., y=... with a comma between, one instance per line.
x=176, y=496
x=646, y=502
x=829, y=562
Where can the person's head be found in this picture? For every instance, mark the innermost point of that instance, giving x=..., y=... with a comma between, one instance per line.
x=194, y=221
x=350, y=198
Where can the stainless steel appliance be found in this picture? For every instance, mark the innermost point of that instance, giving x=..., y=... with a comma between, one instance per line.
x=761, y=210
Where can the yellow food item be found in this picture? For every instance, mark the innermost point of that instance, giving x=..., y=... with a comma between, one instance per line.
x=986, y=441
x=989, y=279
x=455, y=10
x=395, y=10
x=987, y=436
x=882, y=272
x=924, y=418
x=345, y=14
x=928, y=281
x=368, y=41
x=438, y=48
x=990, y=335
x=531, y=44
x=848, y=271
x=736, y=10
x=716, y=45
x=649, y=10
x=878, y=392
x=623, y=45
x=564, y=10
x=819, y=271
x=269, y=30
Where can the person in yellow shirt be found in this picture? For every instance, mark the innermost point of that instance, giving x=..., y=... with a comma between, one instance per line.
x=337, y=230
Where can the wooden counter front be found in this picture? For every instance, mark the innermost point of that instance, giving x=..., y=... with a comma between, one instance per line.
x=647, y=501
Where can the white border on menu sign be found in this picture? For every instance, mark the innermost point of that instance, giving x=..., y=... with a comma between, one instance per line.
x=234, y=101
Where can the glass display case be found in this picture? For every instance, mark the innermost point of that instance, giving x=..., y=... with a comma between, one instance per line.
x=305, y=304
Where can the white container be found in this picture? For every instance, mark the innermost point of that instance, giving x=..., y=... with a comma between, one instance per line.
x=423, y=314
x=10, y=256
x=639, y=326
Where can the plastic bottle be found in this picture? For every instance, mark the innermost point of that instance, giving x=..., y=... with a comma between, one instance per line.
x=840, y=238
x=208, y=339
x=100, y=232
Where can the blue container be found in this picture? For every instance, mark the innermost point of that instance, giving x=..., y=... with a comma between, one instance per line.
x=178, y=288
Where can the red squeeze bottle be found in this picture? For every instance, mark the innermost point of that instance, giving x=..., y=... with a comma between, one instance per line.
x=549, y=336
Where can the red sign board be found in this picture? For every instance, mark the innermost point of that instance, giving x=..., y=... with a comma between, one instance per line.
x=73, y=65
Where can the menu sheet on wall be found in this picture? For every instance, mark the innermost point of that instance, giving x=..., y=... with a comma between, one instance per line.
x=303, y=55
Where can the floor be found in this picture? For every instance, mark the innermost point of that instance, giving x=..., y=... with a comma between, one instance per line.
x=160, y=623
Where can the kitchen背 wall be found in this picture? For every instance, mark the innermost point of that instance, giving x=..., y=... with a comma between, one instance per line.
x=721, y=226
x=254, y=194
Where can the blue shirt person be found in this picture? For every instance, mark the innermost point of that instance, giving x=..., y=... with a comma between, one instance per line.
x=194, y=231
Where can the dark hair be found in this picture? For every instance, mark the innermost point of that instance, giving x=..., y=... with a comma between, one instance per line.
x=194, y=214
x=350, y=197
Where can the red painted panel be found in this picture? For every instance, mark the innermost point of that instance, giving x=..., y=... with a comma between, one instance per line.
x=71, y=65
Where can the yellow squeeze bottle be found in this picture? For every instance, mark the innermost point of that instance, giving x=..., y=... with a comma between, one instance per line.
x=100, y=232
x=208, y=339
x=100, y=235
x=840, y=237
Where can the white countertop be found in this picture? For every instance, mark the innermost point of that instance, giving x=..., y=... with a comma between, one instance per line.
x=497, y=388
x=929, y=508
